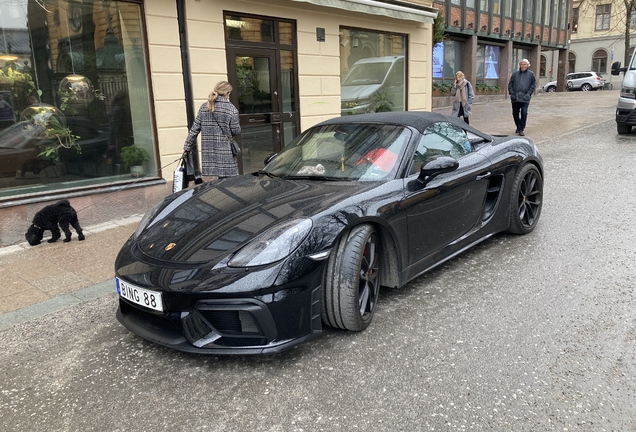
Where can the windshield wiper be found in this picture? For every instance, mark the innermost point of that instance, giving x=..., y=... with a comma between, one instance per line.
x=268, y=174
x=314, y=177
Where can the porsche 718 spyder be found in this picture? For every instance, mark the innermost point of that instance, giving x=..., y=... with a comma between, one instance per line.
x=258, y=263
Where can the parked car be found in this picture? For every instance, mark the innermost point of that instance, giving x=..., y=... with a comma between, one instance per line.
x=257, y=263
x=584, y=81
x=373, y=84
x=21, y=151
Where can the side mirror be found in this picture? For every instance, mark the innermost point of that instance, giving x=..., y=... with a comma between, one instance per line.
x=617, y=69
x=435, y=166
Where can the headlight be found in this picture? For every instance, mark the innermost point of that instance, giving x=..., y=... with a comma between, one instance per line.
x=273, y=245
x=628, y=92
x=147, y=218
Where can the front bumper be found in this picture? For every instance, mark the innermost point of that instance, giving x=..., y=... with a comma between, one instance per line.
x=270, y=324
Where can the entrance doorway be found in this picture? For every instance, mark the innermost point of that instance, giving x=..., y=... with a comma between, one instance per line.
x=262, y=71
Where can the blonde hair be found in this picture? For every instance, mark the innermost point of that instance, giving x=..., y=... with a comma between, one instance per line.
x=459, y=74
x=222, y=88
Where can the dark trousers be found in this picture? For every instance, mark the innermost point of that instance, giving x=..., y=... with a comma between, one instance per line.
x=461, y=113
x=520, y=114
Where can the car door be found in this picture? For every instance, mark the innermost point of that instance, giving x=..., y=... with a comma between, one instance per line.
x=577, y=80
x=450, y=205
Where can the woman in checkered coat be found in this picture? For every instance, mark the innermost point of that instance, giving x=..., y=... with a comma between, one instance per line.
x=218, y=123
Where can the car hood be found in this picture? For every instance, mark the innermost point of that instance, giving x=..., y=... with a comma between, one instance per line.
x=213, y=220
x=352, y=93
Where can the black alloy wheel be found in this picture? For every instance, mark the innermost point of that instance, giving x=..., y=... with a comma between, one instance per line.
x=352, y=280
x=526, y=200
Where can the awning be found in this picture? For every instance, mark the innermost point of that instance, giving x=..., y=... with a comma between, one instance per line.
x=374, y=7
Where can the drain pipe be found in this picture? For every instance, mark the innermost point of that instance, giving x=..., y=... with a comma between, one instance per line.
x=187, y=80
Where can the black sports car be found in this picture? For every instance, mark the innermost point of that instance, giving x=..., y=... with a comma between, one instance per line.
x=257, y=263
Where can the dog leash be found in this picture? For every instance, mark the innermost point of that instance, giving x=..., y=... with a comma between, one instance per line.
x=131, y=184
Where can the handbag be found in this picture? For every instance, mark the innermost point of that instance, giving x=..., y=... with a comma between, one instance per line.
x=236, y=150
x=179, y=181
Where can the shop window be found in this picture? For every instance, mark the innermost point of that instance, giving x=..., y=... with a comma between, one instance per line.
x=73, y=95
x=447, y=59
x=372, y=71
x=488, y=64
x=542, y=66
x=518, y=54
x=599, y=61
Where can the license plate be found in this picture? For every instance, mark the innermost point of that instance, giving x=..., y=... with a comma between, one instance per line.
x=141, y=296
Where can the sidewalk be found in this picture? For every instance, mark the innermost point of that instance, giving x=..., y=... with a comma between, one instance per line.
x=49, y=277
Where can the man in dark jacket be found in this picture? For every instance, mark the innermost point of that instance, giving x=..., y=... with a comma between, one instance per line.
x=521, y=88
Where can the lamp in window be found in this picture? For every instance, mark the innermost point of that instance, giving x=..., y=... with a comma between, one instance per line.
x=518, y=34
x=528, y=35
x=456, y=22
x=508, y=31
x=484, y=27
x=471, y=24
x=537, y=37
x=75, y=87
x=496, y=29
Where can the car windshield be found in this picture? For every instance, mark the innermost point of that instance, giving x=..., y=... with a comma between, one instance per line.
x=367, y=73
x=353, y=151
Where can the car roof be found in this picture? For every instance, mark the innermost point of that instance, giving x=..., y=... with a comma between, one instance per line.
x=385, y=59
x=419, y=120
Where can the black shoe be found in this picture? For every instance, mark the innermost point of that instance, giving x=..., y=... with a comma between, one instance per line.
x=521, y=133
x=517, y=130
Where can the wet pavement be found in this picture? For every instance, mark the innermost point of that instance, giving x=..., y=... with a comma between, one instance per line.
x=50, y=277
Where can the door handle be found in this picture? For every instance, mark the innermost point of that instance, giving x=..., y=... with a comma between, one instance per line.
x=483, y=176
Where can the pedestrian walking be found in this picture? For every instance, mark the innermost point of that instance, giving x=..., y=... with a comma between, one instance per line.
x=218, y=123
x=521, y=88
x=464, y=96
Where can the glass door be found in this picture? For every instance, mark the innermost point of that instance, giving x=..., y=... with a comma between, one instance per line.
x=255, y=94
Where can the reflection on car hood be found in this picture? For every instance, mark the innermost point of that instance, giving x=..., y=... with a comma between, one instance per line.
x=208, y=222
x=351, y=93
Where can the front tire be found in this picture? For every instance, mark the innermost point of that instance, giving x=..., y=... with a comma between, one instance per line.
x=526, y=200
x=351, y=283
x=623, y=129
x=551, y=89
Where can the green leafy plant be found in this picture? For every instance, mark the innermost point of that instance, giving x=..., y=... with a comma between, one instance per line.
x=485, y=88
x=21, y=83
x=68, y=97
x=442, y=87
x=133, y=155
x=382, y=103
x=42, y=127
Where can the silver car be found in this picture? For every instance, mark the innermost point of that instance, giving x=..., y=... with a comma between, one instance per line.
x=584, y=81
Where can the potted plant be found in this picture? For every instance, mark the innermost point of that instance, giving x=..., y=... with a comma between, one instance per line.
x=134, y=156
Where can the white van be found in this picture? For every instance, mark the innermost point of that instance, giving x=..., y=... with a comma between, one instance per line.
x=626, y=107
x=373, y=84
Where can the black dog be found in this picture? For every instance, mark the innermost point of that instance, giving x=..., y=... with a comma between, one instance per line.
x=61, y=213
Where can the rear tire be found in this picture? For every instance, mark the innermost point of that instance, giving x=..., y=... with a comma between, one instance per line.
x=586, y=87
x=623, y=129
x=351, y=283
x=526, y=200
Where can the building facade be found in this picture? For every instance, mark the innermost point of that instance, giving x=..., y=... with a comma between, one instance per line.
x=486, y=39
x=598, y=37
x=88, y=85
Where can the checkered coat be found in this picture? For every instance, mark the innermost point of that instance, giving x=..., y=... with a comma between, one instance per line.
x=216, y=155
